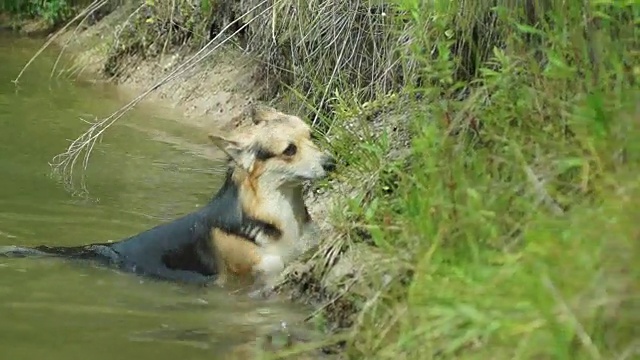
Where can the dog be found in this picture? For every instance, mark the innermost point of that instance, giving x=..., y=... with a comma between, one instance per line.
x=249, y=228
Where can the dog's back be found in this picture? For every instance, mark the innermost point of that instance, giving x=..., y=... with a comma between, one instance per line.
x=250, y=226
x=176, y=251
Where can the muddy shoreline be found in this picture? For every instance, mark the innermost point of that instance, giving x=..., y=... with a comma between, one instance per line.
x=207, y=96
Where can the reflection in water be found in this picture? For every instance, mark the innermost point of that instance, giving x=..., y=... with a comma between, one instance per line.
x=56, y=309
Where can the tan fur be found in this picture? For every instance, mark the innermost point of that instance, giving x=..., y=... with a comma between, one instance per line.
x=252, y=201
x=270, y=190
x=237, y=256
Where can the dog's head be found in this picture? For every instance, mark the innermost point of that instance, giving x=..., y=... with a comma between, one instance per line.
x=276, y=150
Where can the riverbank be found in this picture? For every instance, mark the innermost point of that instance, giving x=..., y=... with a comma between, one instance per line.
x=27, y=27
x=212, y=95
x=485, y=207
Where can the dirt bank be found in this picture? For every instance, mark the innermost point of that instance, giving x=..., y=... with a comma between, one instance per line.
x=28, y=27
x=208, y=95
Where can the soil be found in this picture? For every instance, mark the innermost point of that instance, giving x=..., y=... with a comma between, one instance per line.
x=26, y=27
x=212, y=94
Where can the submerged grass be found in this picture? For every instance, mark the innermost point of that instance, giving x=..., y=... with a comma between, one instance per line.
x=491, y=156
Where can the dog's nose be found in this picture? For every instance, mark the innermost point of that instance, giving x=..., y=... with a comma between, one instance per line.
x=329, y=163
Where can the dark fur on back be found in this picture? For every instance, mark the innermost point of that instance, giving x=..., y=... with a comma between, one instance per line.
x=180, y=250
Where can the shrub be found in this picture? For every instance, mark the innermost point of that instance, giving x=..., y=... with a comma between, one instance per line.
x=53, y=12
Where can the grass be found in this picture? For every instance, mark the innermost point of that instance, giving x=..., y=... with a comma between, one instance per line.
x=514, y=210
x=491, y=153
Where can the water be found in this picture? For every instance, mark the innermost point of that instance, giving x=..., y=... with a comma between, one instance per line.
x=60, y=310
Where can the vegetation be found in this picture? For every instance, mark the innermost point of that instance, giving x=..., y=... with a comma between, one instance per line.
x=513, y=211
x=54, y=12
x=491, y=153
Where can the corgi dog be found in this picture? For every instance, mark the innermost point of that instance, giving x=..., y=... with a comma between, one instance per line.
x=249, y=228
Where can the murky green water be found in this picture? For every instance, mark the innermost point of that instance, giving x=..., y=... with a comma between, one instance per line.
x=53, y=309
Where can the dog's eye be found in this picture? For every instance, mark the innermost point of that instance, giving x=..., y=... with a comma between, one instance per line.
x=290, y=150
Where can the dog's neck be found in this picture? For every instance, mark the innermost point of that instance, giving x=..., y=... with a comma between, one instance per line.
x=282, y=206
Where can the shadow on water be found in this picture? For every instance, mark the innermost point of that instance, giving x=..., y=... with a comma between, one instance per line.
x=58, y=310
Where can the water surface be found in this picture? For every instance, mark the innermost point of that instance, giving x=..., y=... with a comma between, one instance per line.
x=54, y=309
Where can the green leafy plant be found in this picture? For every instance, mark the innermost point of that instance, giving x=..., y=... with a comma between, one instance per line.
x=52, y=11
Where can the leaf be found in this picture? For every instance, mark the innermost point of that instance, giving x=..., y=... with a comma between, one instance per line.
x=472, y=193
x=529, y=29
x=500, y=56
x=570, y=163
x=377, y=235
x=601, y=120
x=601, y=15
x=371, y=210
x=205, y=6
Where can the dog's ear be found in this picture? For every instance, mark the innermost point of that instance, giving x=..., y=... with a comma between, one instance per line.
x=235, y=150
x=260, y=113
x=228, y=146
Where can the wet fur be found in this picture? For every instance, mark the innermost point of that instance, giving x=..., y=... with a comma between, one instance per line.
x=184, y=250
x=248, y=228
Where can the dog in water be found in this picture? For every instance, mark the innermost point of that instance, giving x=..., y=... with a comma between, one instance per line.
x=250, y=227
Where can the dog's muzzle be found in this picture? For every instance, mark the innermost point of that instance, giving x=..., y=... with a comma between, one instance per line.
x=329, y=163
